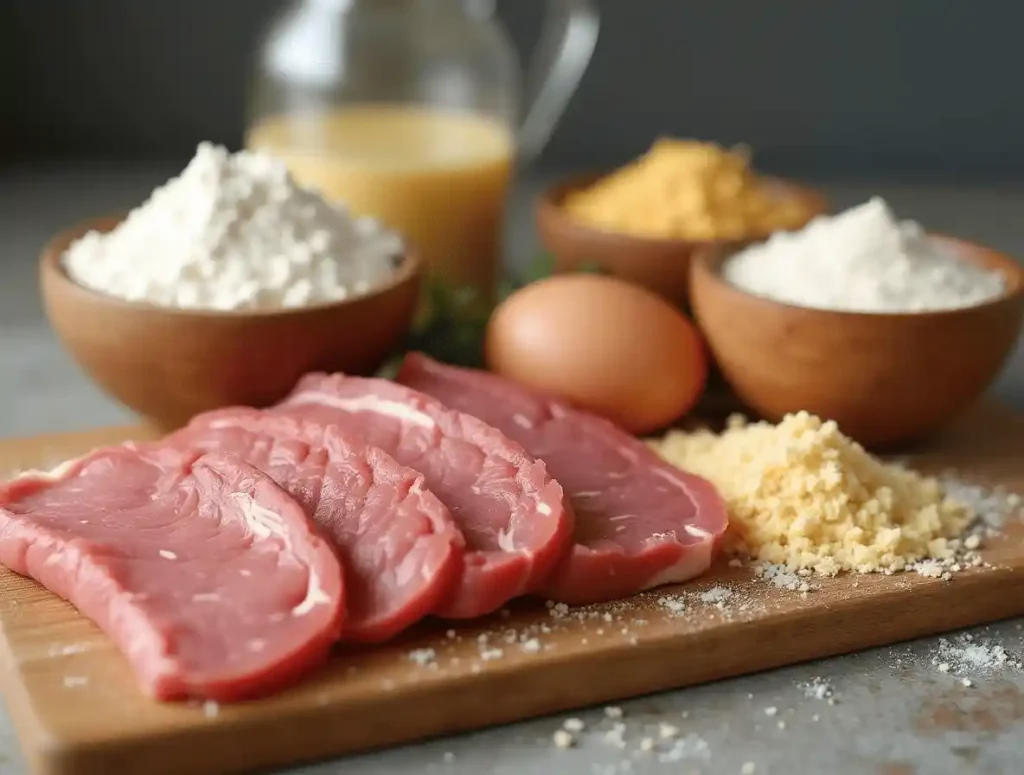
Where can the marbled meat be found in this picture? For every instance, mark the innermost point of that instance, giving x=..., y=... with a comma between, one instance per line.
x=640, y=522
x=510, y=510
x=401, y=549
x=208, y=576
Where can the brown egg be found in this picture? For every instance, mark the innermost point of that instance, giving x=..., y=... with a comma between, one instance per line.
x=603, y=344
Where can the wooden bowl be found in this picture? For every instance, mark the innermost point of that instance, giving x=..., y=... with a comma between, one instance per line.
x=661, y=265
x=885, y=378
x=170, y=364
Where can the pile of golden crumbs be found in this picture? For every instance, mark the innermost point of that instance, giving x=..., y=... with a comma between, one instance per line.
x=803, y=495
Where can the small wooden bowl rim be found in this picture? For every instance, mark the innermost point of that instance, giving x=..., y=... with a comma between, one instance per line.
x=708, y=263
x=51, y=263
x=552, y=198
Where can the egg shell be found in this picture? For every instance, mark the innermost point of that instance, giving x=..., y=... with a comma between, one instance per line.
x=603, y=344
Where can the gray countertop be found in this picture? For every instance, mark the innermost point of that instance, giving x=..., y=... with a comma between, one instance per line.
x=893, y=712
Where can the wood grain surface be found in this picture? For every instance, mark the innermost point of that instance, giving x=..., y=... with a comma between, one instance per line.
x=77, y=709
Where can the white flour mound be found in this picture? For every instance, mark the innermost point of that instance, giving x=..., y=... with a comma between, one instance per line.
x=862, y=260
x=234, y=231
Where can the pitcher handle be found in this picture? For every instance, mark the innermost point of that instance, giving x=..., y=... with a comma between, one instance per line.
x=563, y=52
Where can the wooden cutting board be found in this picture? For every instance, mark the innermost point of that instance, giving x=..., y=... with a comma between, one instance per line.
x=77, y=710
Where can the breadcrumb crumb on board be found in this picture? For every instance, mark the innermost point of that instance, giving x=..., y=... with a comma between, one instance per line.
x=803, y=497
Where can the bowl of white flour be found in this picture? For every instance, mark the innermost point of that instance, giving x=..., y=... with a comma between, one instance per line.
x=228, y=283
x=859, y=317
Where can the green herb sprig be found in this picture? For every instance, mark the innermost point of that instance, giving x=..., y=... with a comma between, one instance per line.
x=454, y=323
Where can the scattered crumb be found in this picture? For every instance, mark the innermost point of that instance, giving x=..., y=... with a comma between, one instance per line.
x=931, y=569
x=532, y=646
x=613, y=711
x=59, y=650
x=616, y=735
x=667, y=731
x=450, y=634
x=74, y=681
x=449, y=757
x=771, y=711
x=781, y=724
x=672, y=603
x=967, y=682
x=689, y=747
x=779, y=577
x=717, y=595
x=210, y=709
x=647, y=744
x=573, y=725
x=422, y=657
x=817, y=689
x=490, y=654
x=559, y=610
x=563, y=739
x=965, y=654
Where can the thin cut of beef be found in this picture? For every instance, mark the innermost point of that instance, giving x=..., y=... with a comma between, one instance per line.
x=640, y=522
x=510, y=510
x=401, y=549
x=207, y=575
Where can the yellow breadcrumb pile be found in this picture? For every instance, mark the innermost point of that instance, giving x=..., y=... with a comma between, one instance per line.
x=803, y=495
x=683, y=189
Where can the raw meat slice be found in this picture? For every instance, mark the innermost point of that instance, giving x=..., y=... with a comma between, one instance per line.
x=640, y=522
x=208, y=576
x=401, y=549
x=510, y=510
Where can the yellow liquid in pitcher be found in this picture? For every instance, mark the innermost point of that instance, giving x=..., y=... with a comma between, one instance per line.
x=437, y=177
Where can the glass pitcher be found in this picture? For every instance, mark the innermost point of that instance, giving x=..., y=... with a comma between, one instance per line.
x=410, y=111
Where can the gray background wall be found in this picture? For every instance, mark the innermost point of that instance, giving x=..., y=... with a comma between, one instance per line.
x=908, y=87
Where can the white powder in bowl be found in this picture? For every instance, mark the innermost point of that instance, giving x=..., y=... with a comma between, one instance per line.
x=231, y=232
x=862, y=260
